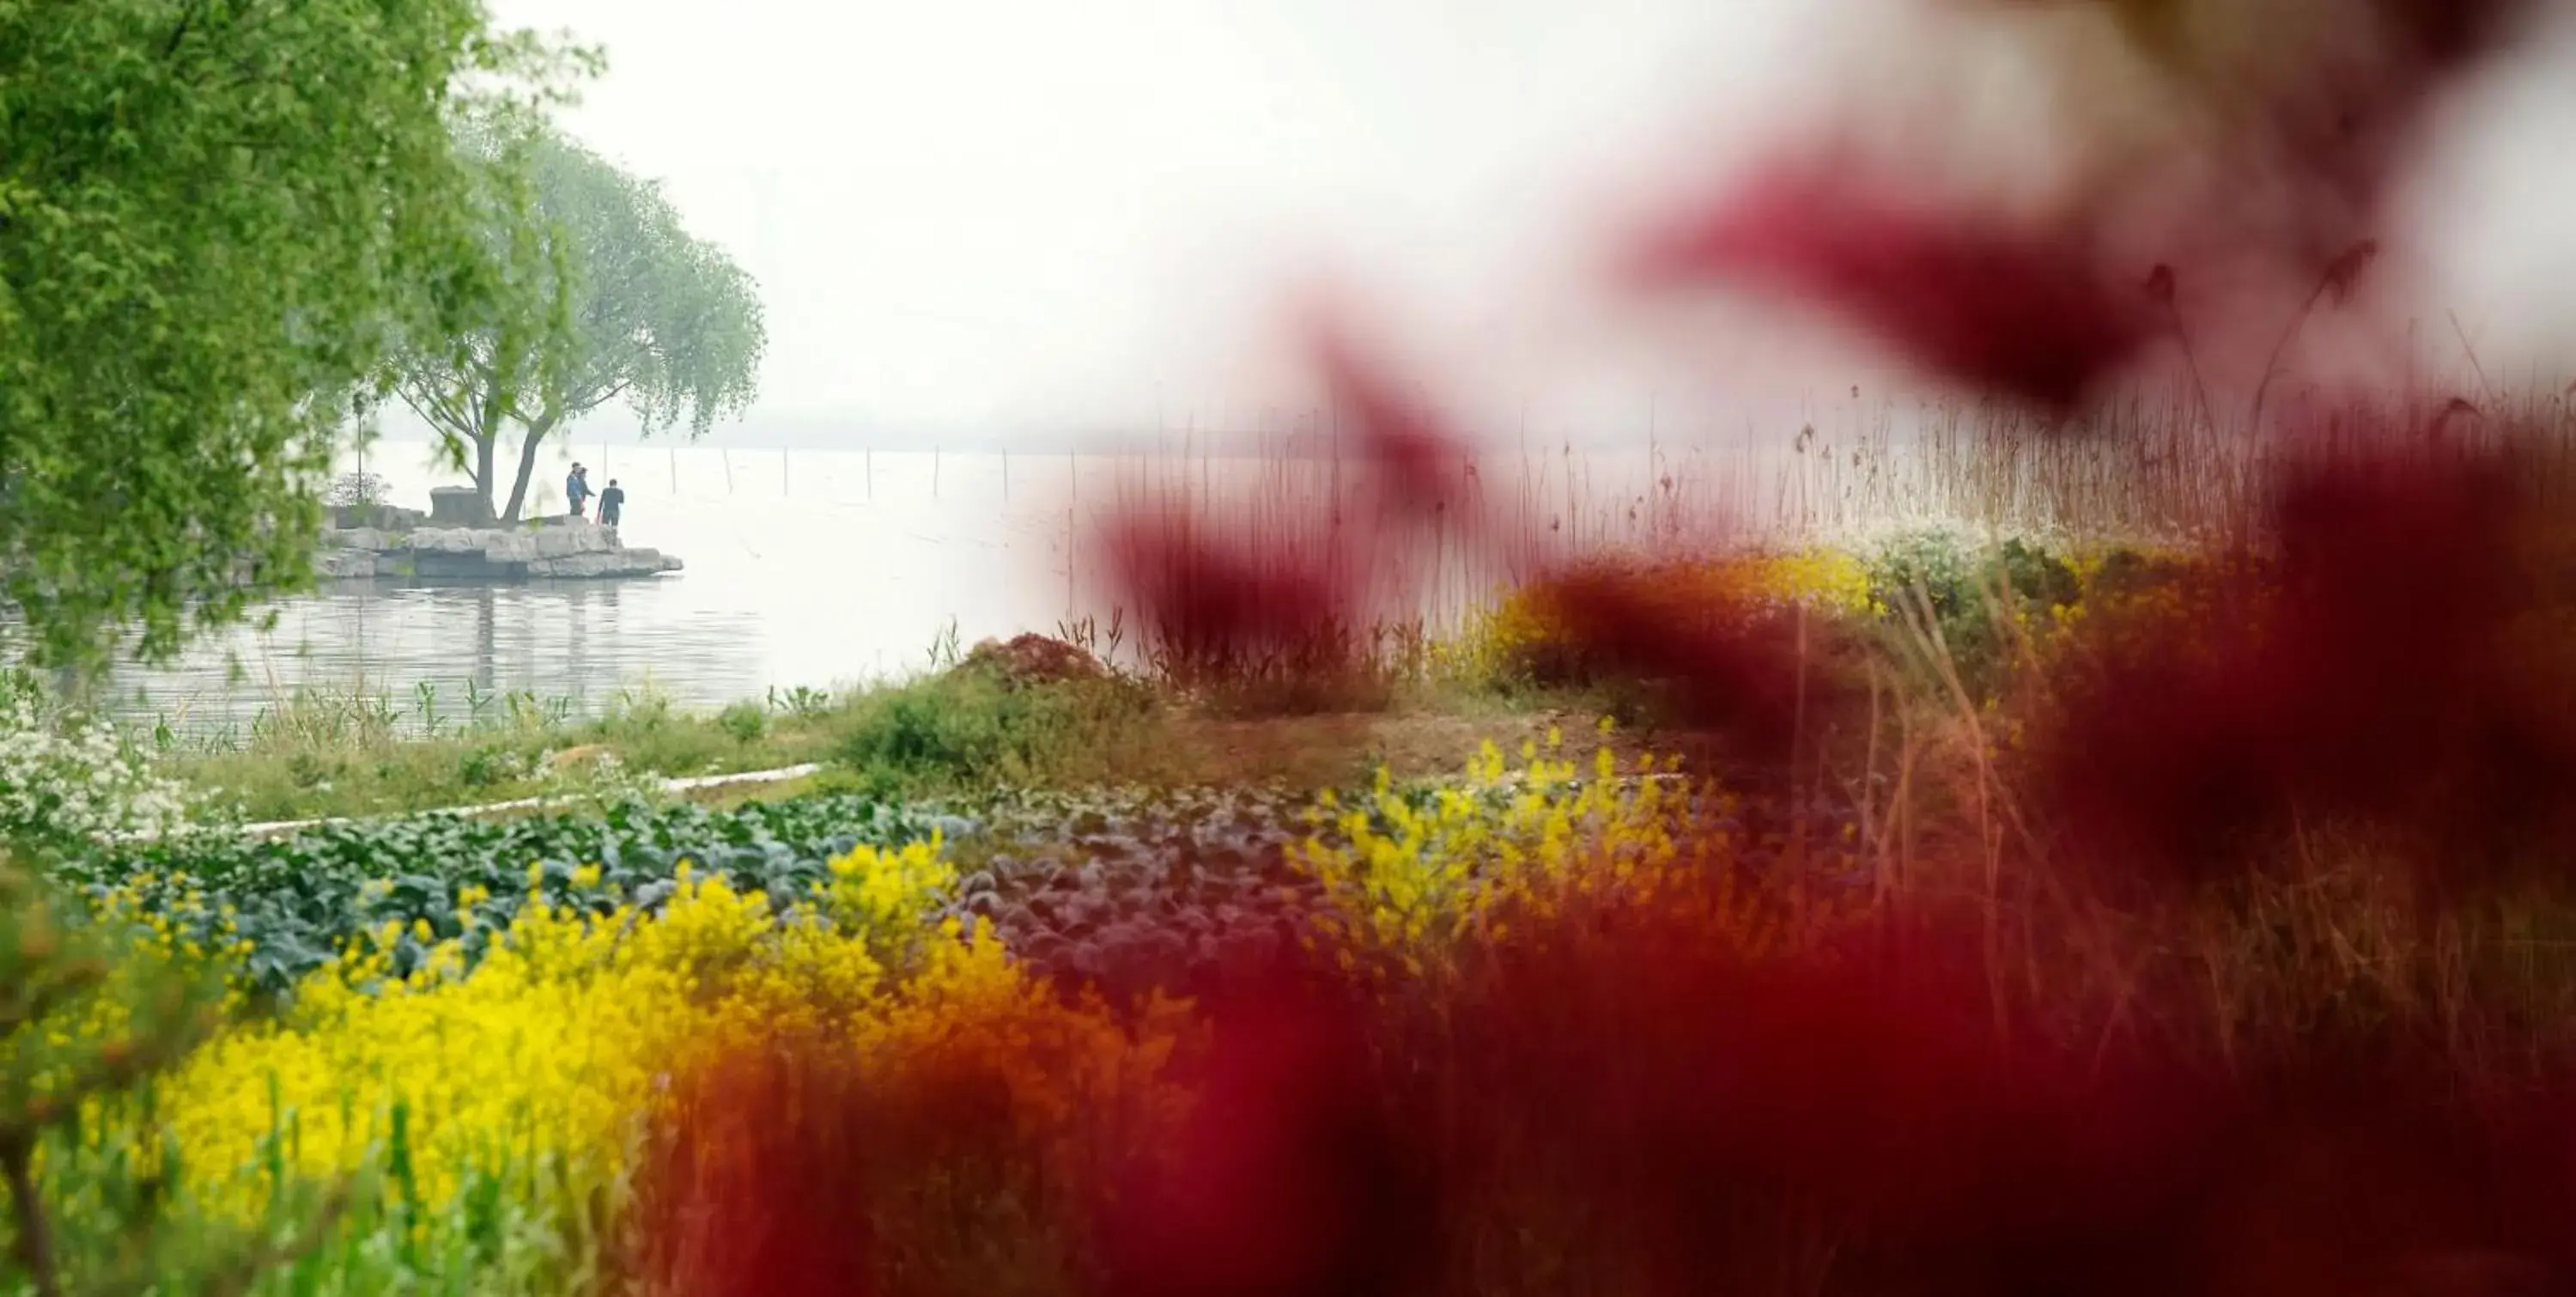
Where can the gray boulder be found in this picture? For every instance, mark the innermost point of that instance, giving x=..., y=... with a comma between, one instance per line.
x=510, y=547
x=497, y=554
x=458, y=506
x=345, y=564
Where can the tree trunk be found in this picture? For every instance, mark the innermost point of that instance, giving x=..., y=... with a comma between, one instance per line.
x=34, y=1244
x=483, y=465
x=527, y=465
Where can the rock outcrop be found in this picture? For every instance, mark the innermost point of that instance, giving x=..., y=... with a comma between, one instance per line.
x=575, y=551
x=459, y=506
x=382, y=517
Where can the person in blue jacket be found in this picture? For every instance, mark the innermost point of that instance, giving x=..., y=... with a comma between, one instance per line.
x=577, y=489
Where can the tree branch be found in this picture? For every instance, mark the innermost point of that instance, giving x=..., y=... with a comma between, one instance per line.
x=435, y=410
x=579, y=403
x=35, y=1241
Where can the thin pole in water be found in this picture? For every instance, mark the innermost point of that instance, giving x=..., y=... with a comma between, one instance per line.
x=675, y=469
x=728, y=459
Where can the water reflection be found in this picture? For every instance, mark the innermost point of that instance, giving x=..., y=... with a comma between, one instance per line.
x=444, y=650
x=847, y=568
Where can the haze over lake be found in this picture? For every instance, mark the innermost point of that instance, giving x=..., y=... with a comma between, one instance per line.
x=819, y=568
x=804, y=568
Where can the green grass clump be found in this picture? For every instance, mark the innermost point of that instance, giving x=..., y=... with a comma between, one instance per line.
x=1973, y=598
x=972, y=729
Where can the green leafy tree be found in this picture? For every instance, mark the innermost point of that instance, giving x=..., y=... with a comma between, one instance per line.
x=613, y=299
x=217, y=217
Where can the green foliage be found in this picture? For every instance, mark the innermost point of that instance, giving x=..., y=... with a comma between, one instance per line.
x=746, y=722
x=296, y=900
x=512, y=1226
x=969, y=729
x=803, y=702
x=215, y=219
x=487, y=766
x=611, y=297
x=1972, y=592
x=324, y=752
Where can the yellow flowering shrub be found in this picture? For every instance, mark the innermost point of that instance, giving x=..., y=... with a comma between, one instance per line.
x=2152, y=600
x=549, y=1050
x=1513, y=641
x=168, y=942
x=1414, y=876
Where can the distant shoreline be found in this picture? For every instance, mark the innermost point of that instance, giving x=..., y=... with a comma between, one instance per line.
x=1060, y=445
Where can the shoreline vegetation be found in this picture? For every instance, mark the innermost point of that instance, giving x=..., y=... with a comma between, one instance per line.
x=2055, y=838
x=2160, y=485
x=996, y=928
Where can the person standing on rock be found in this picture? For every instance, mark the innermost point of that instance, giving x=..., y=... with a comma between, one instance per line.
x=612, y=502
x=576, y=489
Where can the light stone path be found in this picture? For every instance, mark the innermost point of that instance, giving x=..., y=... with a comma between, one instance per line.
x=272, y=828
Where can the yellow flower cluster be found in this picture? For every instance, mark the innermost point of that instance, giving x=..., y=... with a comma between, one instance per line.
x=2165, y=597
x=550, y=1051
x=542, y=1066
x=1501, y=644
x=1415, y=878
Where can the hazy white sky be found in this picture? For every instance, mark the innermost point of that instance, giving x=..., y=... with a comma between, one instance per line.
x=970, y=210
x=962, y=207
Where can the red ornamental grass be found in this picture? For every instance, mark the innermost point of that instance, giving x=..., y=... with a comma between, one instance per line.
x=2025, y=313
x=1294, y=1176
x=1407, y=449
x=1210, y=596
x=792, y=1167
x=2364, y=675
x=1616, y=1102
x=1728, y=668
x=1732, y=670
x=1718, y=1107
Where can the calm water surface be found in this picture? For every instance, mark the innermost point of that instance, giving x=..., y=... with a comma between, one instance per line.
x=804, y=568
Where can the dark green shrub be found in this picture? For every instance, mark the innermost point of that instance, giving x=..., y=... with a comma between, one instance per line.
x=745, y=722
x=489, y=766
x=1965, y=586
x=969, y=729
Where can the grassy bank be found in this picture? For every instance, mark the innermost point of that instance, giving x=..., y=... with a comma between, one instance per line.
x=1902, y=984
x=321, y=753
x=691, y=1051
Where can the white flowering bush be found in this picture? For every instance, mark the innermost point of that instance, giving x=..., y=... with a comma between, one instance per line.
x=601, y=781
x=67, y=780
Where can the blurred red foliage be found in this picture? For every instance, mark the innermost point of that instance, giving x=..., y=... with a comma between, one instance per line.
x=2366, y=673
x=2026, y=313
x=1615, y=1103
x=1646, y=1113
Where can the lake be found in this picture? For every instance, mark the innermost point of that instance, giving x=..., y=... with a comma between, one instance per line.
x=821, y=568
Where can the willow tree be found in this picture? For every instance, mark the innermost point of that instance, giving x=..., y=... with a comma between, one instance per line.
x=216, y=219
x=613, y=299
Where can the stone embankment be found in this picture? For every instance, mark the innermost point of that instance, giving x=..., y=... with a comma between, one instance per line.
x=558, y=550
